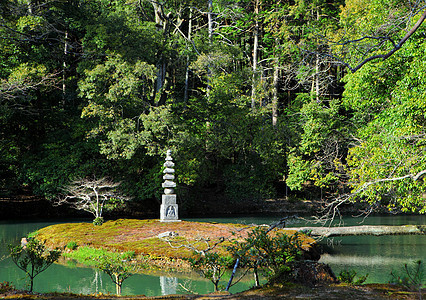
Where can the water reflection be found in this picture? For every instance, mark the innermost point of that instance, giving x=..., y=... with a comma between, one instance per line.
x=376, y=255
x=168, y=285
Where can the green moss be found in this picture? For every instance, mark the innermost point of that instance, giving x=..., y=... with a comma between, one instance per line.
x=32, y=234
x=91, y=256
x=139, y=236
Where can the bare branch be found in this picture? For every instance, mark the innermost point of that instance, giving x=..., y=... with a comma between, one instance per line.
x=191, y=246
x=331, y=209
x=91, y=195
x=11, y=90
x=394, y=49
x=415, y=177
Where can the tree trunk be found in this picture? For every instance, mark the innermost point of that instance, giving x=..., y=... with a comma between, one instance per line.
x=30, y=7
x=255, y=50
x=364, y=230
x=32, y=277
x=275, y=93
x=315, y=79
x=185, y=96
x=210, y=32
x=64, y=69
x=256, y=278
x=161, y=22
x=117, y=285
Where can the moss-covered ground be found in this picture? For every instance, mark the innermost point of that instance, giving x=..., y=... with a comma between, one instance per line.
x=141, y=238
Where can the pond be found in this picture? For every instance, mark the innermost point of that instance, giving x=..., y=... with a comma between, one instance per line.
x=86, y=280
x=377, y=256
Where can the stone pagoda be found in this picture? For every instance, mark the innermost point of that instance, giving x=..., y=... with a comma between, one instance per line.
x=169, y=208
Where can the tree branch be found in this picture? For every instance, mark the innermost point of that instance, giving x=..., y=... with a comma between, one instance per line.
x=90, y=195
x=395, y=48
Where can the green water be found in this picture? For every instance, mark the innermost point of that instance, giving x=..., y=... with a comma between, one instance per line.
x=377, y=256
x=86, y=280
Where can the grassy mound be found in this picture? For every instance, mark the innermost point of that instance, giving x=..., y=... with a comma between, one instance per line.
x=141, y=237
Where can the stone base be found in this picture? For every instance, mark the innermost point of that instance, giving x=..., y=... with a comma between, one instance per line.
x=169, y=199
x=169, y=212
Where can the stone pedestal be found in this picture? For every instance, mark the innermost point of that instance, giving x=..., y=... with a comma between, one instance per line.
x=169, y=207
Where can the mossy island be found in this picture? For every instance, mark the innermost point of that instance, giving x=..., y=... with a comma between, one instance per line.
x=143, y=239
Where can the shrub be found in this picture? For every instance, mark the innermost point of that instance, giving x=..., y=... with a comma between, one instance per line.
x=98, y=221
x=212, y=266
x=72, y=245
x=276, y=254
x=412, y=277
x=117, y=268
x=5, y=287
x=348, y=276
x=33, y=258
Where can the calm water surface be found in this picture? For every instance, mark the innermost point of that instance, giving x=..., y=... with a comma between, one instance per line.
x=377, y=256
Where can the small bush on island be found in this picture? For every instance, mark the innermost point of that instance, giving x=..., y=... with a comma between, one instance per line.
x=72, y=245
x=98, y=221
x=273, y=253
x=212, y=266
x=33, y=258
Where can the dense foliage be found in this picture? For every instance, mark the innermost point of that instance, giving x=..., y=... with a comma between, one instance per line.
x=252, y=96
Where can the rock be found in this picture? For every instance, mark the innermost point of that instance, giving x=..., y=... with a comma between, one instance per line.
x=169, y=184
x=24, y=242
x=169, y=177
x=167, y=234
x=314, y=273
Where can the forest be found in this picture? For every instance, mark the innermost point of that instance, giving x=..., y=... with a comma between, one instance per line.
x=257, y=99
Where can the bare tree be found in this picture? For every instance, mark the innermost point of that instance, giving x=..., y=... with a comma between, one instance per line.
x=93, y=196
